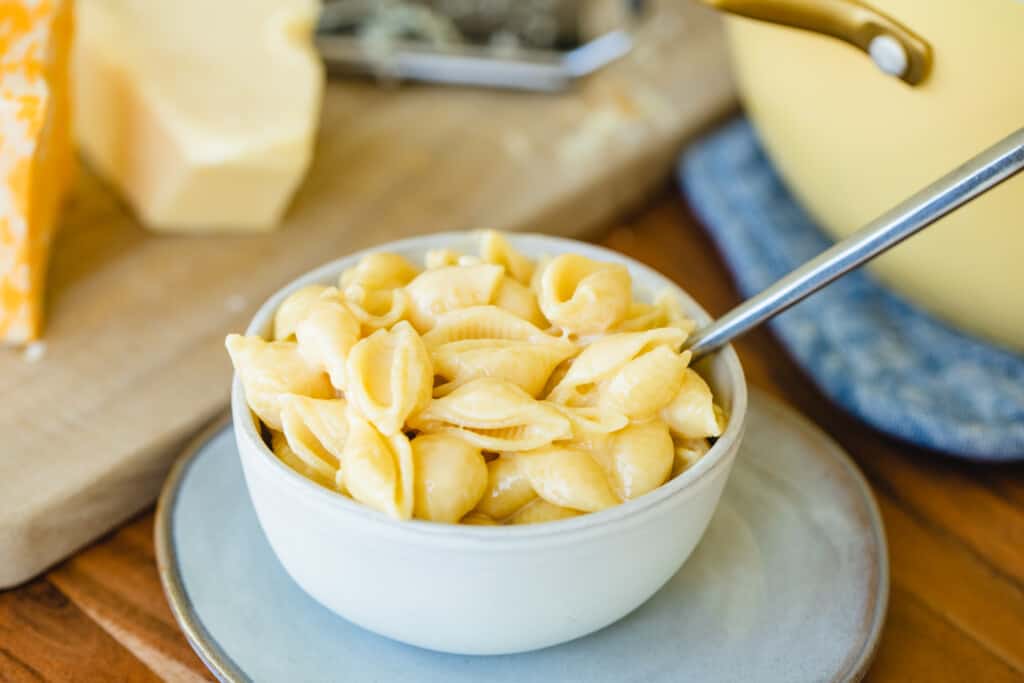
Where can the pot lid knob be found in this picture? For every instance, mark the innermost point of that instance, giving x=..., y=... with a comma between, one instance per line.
x=893, y=47
x=888, y=55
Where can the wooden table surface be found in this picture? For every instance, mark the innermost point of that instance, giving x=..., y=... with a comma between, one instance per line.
x=955, y=530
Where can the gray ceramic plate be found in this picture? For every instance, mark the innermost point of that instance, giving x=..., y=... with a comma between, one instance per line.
x=790, y=583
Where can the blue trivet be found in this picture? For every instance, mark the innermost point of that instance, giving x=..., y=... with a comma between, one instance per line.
x=892, y=365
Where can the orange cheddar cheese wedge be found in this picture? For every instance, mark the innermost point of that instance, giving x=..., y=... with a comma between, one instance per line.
x=36, y=158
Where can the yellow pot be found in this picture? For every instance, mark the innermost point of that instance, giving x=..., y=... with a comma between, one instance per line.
x=851, y=140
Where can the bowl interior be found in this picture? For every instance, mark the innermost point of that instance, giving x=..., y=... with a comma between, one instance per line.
x=722, y=371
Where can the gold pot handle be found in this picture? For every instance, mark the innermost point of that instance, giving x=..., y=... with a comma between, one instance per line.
x=894, y=48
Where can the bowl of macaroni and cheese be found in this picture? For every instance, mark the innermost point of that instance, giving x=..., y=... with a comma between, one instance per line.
x=483, y=444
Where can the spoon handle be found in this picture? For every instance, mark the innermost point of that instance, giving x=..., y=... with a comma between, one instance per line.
x=973, y=178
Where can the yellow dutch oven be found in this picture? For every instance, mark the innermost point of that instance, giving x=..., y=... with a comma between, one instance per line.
x=854, y=131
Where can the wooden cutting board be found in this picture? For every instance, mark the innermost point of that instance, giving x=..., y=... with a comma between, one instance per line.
x=134, y=361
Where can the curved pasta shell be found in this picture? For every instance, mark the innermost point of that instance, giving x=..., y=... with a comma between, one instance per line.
x=316, y=430
x=639, y=459
x=376, y=309
x=379, y=270
x=478, y=519
x=525, y=364
x=439, y=258
x=294, y=308
x=326, y=334
x=568, y=477
x=543, y=261
x=593, y=427
x=607, y=355
x=519, y=300
x=378, y=470
x=646, y=384
x=438, y=291
x=482, y=322
x=269, y=370
x=279, y=445
x=494, y=248
x=557, y=375
x=590, y=422
x=667, y=302
x=583, y=296
x=508, y=489
x=451, y=477
x=540, y=511
x=691, y=413
x=494, y=415
x=640, y=317
x=664, y=312
x=389, y=377
x=687, y=453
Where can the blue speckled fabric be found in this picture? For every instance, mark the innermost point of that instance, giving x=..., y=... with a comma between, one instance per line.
x=894, y=366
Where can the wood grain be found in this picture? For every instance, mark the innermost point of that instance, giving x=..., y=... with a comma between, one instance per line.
x=956, y=608
x=45, y=637
x=115, y=582
x=134, y=359
x=920, y=645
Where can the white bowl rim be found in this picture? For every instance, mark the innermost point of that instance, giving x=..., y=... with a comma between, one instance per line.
x=602, y=520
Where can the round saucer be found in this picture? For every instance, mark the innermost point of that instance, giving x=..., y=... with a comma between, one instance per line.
x=789, y=583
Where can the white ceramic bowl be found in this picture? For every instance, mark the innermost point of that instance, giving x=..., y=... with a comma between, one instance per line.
x=487, y=590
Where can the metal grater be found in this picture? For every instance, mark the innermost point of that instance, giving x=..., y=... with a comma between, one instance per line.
x=520, y=44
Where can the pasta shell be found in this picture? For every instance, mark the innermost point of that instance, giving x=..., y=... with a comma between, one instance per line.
x=508, y=489
x=691, y=413
x=494, y=415
x=378, y=470
x=294, y=308
x=568, y=477
x=316, y=430
x=482, y=322
x=279, y=445
x=538, y=271
x=451, y=477
x=270, y=369
x=326, y=334
x=494, y=248
x=540, y=511
x=606, y=356
x=639, y=458
x=640, y=317
x=646, y=384
x=519, y=300
x=478, y=519
x=438, y=291
x=376, y=309
x=439, y=258
x=379, y=270
x=721, y=418
x=389, y=377
x=583, y=296
x=664, y=312
x=673, y=312
x=525, y=364
x=591, y=425
x=687, y=453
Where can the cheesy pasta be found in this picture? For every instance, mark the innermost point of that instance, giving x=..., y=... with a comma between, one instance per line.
x=483, y=389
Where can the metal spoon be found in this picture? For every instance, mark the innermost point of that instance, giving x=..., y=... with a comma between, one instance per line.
x=970, y=180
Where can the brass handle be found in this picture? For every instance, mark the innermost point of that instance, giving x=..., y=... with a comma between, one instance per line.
x=893, y=47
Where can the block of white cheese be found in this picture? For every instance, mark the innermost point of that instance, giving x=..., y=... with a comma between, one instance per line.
x=201, y=113
x=36, y=158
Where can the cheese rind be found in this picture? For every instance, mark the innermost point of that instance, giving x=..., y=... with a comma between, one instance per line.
x=201, y=114
x=36, y=158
